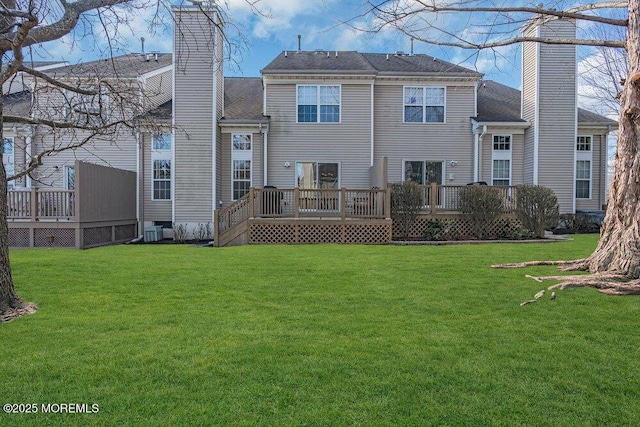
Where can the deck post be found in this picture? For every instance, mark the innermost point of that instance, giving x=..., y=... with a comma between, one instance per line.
x=433, y=200
x=387, y=202
x=343, y=204
x=252, y=195
x=34, y=204
x=296, y=202
x=216, y=228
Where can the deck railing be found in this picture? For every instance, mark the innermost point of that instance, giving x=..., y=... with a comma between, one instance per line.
x=444, y=198
x=37, y=204
x=323, y=203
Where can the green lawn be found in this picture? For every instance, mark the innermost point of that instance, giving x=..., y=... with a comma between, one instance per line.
x=322, y=335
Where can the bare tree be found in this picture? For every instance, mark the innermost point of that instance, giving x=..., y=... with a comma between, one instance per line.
x=74, y=114
x=615, y=264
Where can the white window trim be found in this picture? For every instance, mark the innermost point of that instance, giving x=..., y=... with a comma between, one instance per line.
x=584, y=156
x=443, y=177
x=316, y=162
x=65, y=178
x=424, y=104
x=163, y=154
x=502, y=155
x=241, y=155
x=8, y=160
x=318, y=104
x=71, y=98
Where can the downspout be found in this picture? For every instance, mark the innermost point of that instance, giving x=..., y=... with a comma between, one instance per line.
x=372, y=129
x=265, y=140
x=139, y=218
x=476, y=149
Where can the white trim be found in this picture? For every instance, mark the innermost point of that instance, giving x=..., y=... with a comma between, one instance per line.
x=162, y=155
x=372, y=125
x=173, y=122
x=501, y=155
x=316, y=162
x=241, y=155
x=319, y=104
x=157, y=71
x=214, y=117
x=265, y=156
x=536, y=125
x=582, y=156
x=424, y=104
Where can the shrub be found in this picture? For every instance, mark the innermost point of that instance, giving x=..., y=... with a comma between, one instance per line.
x=180, y=232
x=202, y=232
x=406, y=201
x=480, y=206
x=435, y=230
x=537, y=208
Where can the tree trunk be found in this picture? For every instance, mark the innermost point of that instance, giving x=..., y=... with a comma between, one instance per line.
x=619, y=248
x=10, y=303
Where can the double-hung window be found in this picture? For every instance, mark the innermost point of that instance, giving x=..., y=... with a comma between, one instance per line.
x=87, y=109
x=501, y=160
x=583, y=166
x=161, y=147
x=8, y=159
x=318, y=103
x=240, y=164
x=424, y=104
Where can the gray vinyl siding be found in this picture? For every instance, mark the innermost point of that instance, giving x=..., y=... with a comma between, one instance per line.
x=194, y=115
x=158, y=89
x=557, y=115
x=529, y=82
x=152, y=210
x=117, y=152
x=549, y=89
x=517, y=157
x=257, y=152
x=347, y=143
x=448, y=141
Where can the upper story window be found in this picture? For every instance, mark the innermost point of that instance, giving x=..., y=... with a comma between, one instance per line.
x=318, y=104
x=87, y=109
x=583, y=143
x=424, y=104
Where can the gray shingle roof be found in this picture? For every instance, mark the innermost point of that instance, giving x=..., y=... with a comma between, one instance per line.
x=243, y=98
x=414, y=64
x=131, y=65
x=500, y=103
x=364, y=63
x=325, y=61
x=17, y=104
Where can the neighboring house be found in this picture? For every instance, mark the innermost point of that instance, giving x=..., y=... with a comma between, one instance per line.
x=330, y=120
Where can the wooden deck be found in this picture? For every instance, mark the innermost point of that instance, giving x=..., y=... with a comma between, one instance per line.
x=101, y=210
x=272, y=215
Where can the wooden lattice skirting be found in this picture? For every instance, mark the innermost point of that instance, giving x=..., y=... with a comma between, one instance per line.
x=294, y=231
